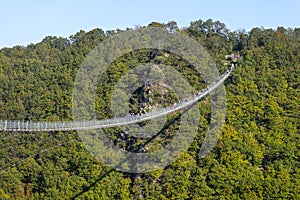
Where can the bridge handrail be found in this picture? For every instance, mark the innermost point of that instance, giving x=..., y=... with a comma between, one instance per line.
x=27, y=126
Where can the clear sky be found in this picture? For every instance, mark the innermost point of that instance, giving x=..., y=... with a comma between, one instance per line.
x=29, y=21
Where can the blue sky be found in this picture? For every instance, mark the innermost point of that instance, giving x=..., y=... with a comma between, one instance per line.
x=29, y=21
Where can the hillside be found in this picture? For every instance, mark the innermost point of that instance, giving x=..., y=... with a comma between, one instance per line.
x=257, y=155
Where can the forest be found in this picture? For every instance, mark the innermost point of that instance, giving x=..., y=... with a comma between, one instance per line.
x=257, y=154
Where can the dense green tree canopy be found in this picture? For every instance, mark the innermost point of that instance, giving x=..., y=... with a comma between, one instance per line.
x=257, y=155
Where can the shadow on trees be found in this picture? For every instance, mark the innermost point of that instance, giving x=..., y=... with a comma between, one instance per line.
x=140, y=147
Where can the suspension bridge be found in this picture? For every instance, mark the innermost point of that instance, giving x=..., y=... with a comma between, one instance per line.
x=28, y=126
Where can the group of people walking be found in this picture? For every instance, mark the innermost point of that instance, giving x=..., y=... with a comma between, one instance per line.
x=232, y=57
